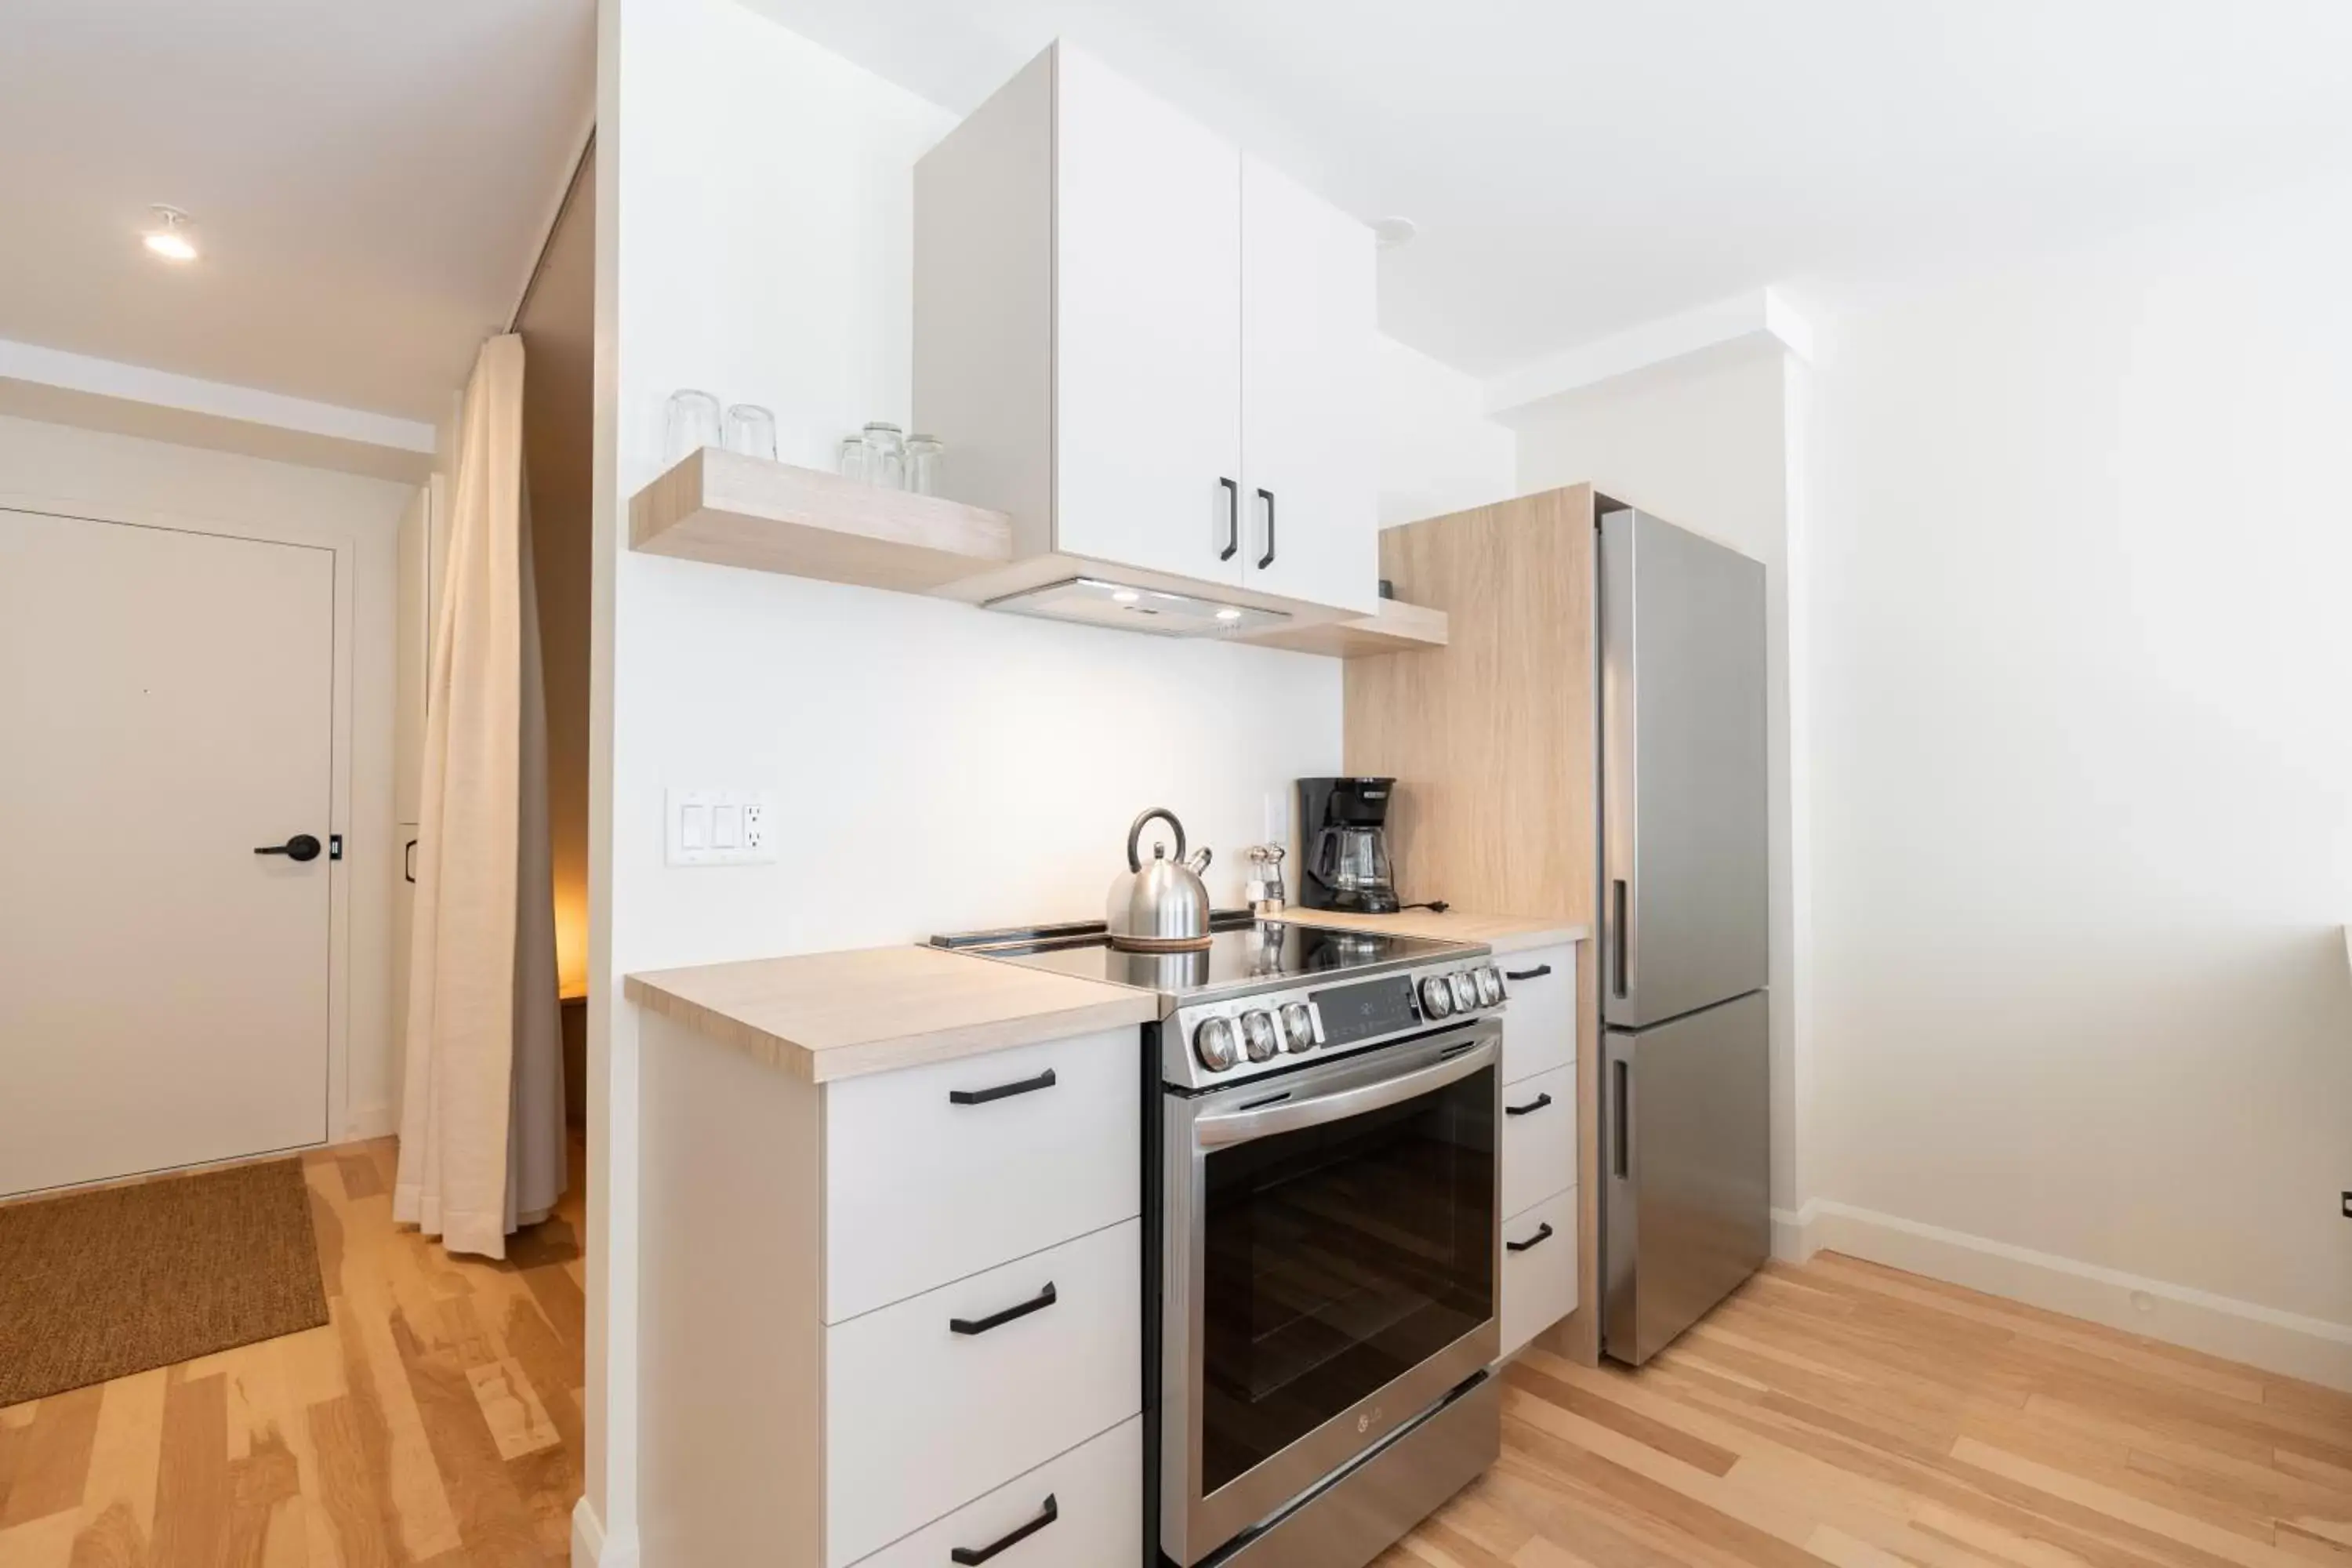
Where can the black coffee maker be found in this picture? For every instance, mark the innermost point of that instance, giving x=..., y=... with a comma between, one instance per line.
x=1342, y=830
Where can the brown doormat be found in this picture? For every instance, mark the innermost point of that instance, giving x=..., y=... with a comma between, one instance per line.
x=102, y=1284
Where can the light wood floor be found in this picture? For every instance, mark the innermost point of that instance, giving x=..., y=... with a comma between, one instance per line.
x=1843, y=1413
x=1833, y=1412
x=435, y=1420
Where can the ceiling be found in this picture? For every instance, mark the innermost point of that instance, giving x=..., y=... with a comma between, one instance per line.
x=371, y=182
x=1577, y=168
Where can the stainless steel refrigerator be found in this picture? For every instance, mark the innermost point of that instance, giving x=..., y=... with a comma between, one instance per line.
x=1685, y=1114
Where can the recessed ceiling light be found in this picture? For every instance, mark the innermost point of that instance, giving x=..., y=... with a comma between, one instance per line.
x=172, y=236
x=1390, y=232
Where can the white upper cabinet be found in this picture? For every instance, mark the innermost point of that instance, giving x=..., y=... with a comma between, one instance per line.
x=1137, y=343
x=1148, y=320
x=1309, y=324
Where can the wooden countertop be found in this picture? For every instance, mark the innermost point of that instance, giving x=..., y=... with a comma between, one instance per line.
x=828, y=1016
x=1504, y=933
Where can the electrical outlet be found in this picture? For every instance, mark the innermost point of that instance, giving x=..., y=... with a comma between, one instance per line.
x=718, y=826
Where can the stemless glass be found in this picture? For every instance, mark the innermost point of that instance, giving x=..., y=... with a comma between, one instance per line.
x=751, y=431
x=885, y=456
x=852, y=458
x=923, y=463
x=693, y=424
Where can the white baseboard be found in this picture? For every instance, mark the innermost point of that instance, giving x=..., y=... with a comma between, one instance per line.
x=2311, y=1348
x=362, y=1122
x=590, y=1549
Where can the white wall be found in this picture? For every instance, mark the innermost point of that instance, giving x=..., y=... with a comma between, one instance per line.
x=1704, y=443
x=1439, y=453
x=123, y=478
x=940, y=767
x=2083, y=670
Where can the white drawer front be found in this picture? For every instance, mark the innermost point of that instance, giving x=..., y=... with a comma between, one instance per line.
x=1538, y=1284
x=1540, y=1023
x=1097, y=1513
x=920, y=1420
x=1539, y=1141
x=921, y=1190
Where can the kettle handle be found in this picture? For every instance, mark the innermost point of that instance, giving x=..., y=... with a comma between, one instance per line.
x=1135, y=835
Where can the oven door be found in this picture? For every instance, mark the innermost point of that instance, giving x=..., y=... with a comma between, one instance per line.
x=1331, y=1271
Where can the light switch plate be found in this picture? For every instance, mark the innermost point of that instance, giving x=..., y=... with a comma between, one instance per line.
x=755, y=812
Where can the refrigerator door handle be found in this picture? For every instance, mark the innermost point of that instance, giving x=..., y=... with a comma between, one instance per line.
x=1620, y=981
x=1620, y=1118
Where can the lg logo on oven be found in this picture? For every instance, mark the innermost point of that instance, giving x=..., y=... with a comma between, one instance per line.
x=1364, y=1422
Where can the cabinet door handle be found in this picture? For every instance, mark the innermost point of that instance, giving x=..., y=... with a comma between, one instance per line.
x=408, y=860
x=1530, y=1108
x=965, y=1556
x=1002, y=1091
x=1267, y=560
x=1037, y=1303
x=1543, y=1233
x=1537, y=973
x=1233, y=520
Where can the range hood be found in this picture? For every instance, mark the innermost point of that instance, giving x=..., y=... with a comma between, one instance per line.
x=1100, y=602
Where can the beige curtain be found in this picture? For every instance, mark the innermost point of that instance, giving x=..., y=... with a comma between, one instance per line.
x=481, y=1125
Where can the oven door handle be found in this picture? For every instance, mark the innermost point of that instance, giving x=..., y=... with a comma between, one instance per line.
x=1243, y=1126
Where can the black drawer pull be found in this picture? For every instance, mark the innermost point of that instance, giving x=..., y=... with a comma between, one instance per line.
x=1037, y=1303
x=966, y=1555
x=1002, y=1091
x=1543, y=1233
x=1530, y=1108
x=1537, y=973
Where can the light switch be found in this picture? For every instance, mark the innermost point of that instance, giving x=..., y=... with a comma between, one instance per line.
x=718, y=827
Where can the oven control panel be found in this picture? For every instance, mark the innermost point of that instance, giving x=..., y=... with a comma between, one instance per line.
x=1219, y=1041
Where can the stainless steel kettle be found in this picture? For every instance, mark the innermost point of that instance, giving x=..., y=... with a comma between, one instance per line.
x=1163, y=907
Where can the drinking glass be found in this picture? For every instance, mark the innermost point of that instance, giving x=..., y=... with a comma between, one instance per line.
x=751, y=431
x=693, y=424
x=852, y=457
x=923, y=463
x=885, y=456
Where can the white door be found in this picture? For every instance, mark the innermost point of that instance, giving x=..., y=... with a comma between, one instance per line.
x=1147, y=388
x=1310, y=338
x=166, y=706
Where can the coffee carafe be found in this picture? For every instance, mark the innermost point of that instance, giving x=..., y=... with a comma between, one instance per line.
x=1343, y=826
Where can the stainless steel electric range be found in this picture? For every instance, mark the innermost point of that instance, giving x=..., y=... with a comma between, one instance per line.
x=1323, y=1235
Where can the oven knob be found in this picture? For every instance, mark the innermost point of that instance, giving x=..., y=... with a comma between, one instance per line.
x=1258, y=1033
x=1490, y=986
x=1298, y=1027
x=1437, y=996
x=1216, y=1044
x=1465, y=991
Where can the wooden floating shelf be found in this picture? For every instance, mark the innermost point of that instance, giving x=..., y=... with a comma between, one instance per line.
x=1394, y=627
x=733, y=511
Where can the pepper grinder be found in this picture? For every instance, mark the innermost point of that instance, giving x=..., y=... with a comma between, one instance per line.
x=1265, y=888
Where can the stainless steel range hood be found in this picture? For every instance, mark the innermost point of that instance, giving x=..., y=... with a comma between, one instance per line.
x=1100, y=602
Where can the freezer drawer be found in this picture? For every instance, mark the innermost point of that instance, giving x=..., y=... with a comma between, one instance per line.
x=1683, y=792
x=1685, y=1172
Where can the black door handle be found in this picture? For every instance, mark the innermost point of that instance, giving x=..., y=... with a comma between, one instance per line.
x=1267, y=560
x=1537, y=973
x=1233, y=520
x=1543, y=1233
x=1002, y=1091
x=301, y=846
x=1037, y=1303
x=408, y=861
x=1530, y=1108
x=965, y=1556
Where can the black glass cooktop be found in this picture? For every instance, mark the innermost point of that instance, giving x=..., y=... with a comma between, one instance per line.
x=1242, y=952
